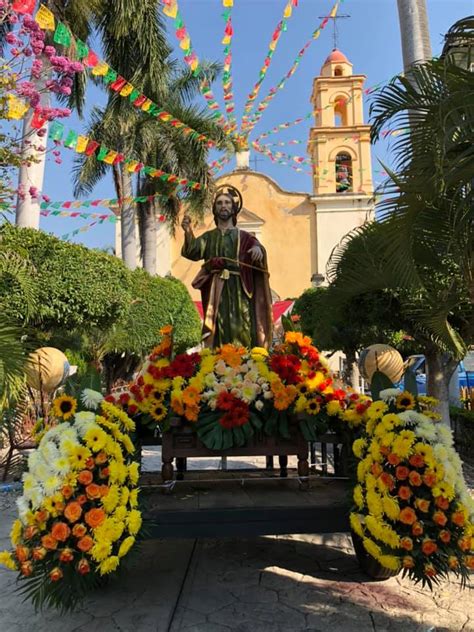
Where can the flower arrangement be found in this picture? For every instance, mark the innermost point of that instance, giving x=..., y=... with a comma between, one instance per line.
x=78, y=515
x=230, y=393
x=412, y=507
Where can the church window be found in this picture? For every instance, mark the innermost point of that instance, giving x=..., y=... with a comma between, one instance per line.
x=338, y=71
x=340, y=112
x=343, y=173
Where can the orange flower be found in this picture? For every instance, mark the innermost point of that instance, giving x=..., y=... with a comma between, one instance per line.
x=470, y=562
x=232, y=355
x=85, y=477
x=404, y=492
x=56, y=574
x=39, y=553
x=417, y=460
x=453, y=562
x=60, y=531
x=41, y=515
x=22, y=553
x=430, y=570
x=93, y=491
x=95, y=517
x=385, y=450
x=90, y=463
x=407, y=516
x=82, y=499
x=387, y=480
x=458, y=518
x=67, y=491
x=402, y=472
x=30, y=532
x=73, y=511
x=83, y=567
x=440, y=518
x=442, y=502
x=417, y=529
x=191, y=413
x=177, y=405
x=429, y=478
x=49, y=542
x=85, y=544
x=393, y=459
x=408, y=561
x=422, y=504
x=66, y=555
x=415, y=479
x=26, y=568
x=376, y=469
x=191, y=396
x=445, y=536
x=406, y=543
x=464, y=543
x=79, y=530
x=104, y=473
x=429, y=547
x=101, y=458
x=104, y=490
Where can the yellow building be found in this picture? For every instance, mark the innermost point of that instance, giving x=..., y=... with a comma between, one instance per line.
x=300, y=230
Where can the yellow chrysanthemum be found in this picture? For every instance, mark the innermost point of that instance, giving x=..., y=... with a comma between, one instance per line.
x=124, y=496
x=119, y=415
x=258, y=353
x=117, y=472
x=133, y=473
x=300, y=404
x=133, y=500
x=109, y=565
x=358, y=496
x=95, y=439
x=372, y=548
x=111, y=500
x=120, y=514
x=358, y=447
x=391, y=562
x=101, y=550
x=64, y=407
x=356, y=524
x=352, y=417
x=15, y=533
x=7, y=560
x=374, y=503
x=109, y=530
x=134, y=521
x=333, y=408
x=128, y=444
x=391, y=507
x=376, y=410
x=382, y=531
x=126, y=546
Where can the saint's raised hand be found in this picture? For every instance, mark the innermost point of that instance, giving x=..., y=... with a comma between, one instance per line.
x=256, y=254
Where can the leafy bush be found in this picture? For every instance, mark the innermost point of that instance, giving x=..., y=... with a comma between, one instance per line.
x=74, y=287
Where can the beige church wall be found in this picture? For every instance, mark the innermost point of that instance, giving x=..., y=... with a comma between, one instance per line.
x=284, y=224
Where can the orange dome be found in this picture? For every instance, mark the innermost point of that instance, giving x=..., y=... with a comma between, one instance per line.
x=336, y=56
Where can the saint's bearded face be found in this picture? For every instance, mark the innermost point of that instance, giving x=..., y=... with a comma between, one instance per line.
x=223, y=208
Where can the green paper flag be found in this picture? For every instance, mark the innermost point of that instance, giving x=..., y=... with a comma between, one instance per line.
x=81, y=49
x=62, y=35
x=71, y=139
x=103, y=151
x=56, y=131
x=134, y=94
x=110, y=76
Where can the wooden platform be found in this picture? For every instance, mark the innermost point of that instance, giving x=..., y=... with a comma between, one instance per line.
x=238, y=504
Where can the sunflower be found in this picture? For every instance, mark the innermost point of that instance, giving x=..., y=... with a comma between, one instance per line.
x=405, y=401
x=64, y=407
x=313, y=407
x=156, y=409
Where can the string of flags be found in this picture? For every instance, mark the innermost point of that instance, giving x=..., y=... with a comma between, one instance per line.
x=85, y=145
x=227, y=82
x=171, y=10
x=115, y=82
x=249, y=124
x=280, y=28
x=113, y=203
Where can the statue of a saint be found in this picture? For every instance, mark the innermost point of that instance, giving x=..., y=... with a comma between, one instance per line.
x=233, y=280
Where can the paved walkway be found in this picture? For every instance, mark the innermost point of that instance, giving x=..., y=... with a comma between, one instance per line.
x=267, y=584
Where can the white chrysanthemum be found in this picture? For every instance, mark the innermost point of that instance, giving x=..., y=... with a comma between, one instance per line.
x=41, y=472
x=212, y=404
x=56, y=433
x=48, y=451
x=83, y=421
x=210, y=380
x=61, y=465
x=52, y=484
x=68, y=434
x=23, y=508
x=248, y=393
x=388, y=394
x=259, y=404
x=33, y=459
x=441, y=453
x=91, y=399
x=426, y=432
x=445, y=435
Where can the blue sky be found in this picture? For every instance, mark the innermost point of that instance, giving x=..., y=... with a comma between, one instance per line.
x=370, y=39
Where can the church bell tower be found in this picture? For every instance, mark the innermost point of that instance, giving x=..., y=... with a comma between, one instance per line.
x=339, y=147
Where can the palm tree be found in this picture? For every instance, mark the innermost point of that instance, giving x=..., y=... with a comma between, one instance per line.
x=414, y=31
x=423, y=244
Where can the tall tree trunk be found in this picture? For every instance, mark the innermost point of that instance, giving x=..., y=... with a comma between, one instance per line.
x=414, y=31
x=439, y=369
x=31, y=174
x=149, y=237
x=349, y=374
x=128, y=222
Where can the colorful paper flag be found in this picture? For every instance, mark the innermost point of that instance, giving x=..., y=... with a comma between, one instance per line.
x=24, y=6
x=45, y=18
x=62, y=35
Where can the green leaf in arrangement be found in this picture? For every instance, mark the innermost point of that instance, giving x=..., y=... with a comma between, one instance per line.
x=247, y=430
x=271, y=423
x=227, y=438
x=239, y=436
x=256, y=421
x=379, y=383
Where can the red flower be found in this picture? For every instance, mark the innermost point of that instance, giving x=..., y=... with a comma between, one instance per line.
x=402, y=472
x=225, y=400
x=415, y=478
x=440, y=518
x=287, y=367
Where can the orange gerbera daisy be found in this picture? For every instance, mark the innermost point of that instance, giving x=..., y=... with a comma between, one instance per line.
x=191, y=396
x=232, y=355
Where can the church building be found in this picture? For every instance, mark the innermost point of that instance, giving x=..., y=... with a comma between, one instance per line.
x=300, y=230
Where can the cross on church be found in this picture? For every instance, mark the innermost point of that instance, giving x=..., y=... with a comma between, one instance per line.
x=334, y=23
x=255, y=159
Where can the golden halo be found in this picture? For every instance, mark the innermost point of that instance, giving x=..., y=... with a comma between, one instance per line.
x=234, y=193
